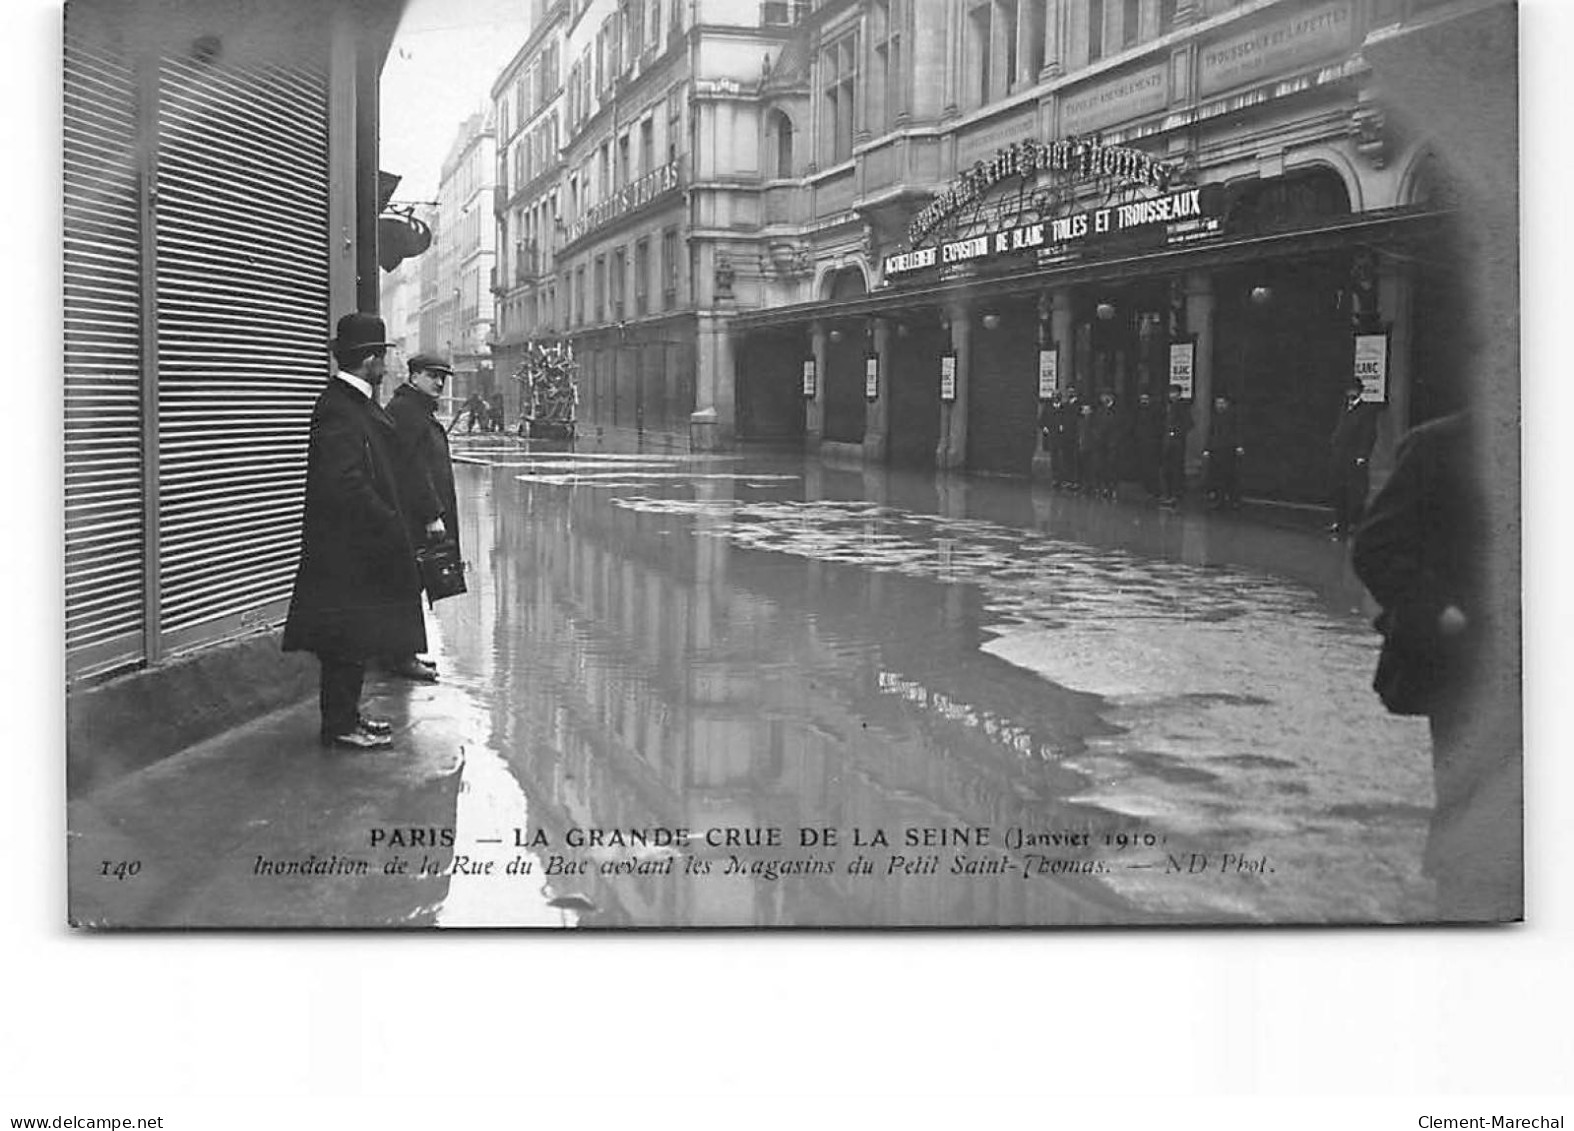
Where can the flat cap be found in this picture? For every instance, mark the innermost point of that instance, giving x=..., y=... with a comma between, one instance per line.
x=431, y=363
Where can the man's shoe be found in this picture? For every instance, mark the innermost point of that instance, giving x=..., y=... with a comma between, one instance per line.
x=371, y=724
x=357, y=740
x=413, y=669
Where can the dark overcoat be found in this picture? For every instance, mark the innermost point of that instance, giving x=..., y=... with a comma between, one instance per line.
x=427, y=470
x=1355, y=435
x=1420, y=550
x=357, y=592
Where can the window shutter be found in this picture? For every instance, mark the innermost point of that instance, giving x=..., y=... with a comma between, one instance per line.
x=243, y=325
x=104, y=513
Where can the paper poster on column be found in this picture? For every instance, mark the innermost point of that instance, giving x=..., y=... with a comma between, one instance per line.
x=871, y=378
x=1048, y=372
x=808, y=377
x=1371, y=366
x=948, y=377
x=1182, y=356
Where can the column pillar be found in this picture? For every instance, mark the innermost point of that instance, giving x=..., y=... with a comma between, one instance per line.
x=878, y=411
x=1062, y=329
x=1395, y=288
x=1199, y=323
x=951, y=452
x=814, y=407
x=1053, y=41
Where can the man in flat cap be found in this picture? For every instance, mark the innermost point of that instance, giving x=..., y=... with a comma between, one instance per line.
x=427, y=473
x=357, y=592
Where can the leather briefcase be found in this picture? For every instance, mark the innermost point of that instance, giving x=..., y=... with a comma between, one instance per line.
x=442, y=573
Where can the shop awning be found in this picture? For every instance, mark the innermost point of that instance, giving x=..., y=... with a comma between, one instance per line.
x=1397, y=226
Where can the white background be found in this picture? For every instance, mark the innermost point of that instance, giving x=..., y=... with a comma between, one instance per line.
x=392, y=1031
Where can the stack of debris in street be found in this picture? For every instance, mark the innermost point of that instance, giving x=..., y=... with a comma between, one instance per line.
x=551, y=395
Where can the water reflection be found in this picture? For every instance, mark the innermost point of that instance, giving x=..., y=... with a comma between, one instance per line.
x=744, y=644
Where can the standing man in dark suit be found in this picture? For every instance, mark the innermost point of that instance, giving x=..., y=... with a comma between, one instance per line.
x=1148, y=442
x=1350, y=450
x=1223, y=455
x=426, y=473
x=1172, y=456
x=357, y=592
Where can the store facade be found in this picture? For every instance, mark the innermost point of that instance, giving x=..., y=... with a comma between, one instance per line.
x=1220, y=204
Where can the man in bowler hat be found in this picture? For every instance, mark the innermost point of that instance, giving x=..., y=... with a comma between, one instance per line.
x=357, y=592
x=427, y=473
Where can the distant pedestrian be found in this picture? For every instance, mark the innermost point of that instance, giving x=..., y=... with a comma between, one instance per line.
x=357, y=592
x=1048, y=412
x=1350, y=450
x=1068, y=459
x=1147, y=442
x=1223, y=454
x=1172, y=454
x=1422, y=553
x=1090, y=444
x=1111, y=446
x=472, y=407
x=427, y=474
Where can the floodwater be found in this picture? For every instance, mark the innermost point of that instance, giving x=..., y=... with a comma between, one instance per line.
x=1007, y=706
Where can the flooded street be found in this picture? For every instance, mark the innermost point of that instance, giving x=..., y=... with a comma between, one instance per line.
x=1011, y=706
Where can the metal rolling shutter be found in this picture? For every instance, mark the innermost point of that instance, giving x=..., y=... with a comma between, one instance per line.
x=243, y=321
x=104, y=514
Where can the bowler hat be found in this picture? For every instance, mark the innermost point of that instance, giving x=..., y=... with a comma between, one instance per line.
x=431, y=363
x=357, y=331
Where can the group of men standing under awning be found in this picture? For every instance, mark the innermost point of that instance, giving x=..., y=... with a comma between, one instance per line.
x=1093, y=447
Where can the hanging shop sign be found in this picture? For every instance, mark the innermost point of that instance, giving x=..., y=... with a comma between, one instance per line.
x=1371, y=366
x=1071, y=157
x=1300, y=37
x=1184, y=216
x=872, y=377
x=808, y=378
x=948, y=377
x=1183, y=356
x=1048, y=372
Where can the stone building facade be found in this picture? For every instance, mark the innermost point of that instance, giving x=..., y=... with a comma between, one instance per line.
x=961, y=205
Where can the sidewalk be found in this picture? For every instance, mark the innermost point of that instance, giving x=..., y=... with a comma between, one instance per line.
x=177, y=844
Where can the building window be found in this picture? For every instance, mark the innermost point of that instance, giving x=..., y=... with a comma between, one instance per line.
x=839, y=72
x=669, y=268
x=604, y=172
x=642, y=277
x=619, y=281
x=1166, y=16
x=578, y=299
x=980, y=32
x=1095, y=30
x=674, y=119
x=623, y=161
x=601, y=288
x=636, y=18
x=647, y=145
x=1129, y=22
x=888, y=84
x=781, y=126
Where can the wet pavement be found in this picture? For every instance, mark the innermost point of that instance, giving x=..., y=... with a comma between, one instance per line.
x=744, y=690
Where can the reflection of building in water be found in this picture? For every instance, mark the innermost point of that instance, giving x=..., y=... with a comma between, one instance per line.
x=651, y=688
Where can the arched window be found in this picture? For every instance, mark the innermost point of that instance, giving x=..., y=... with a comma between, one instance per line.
x=781, y=128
